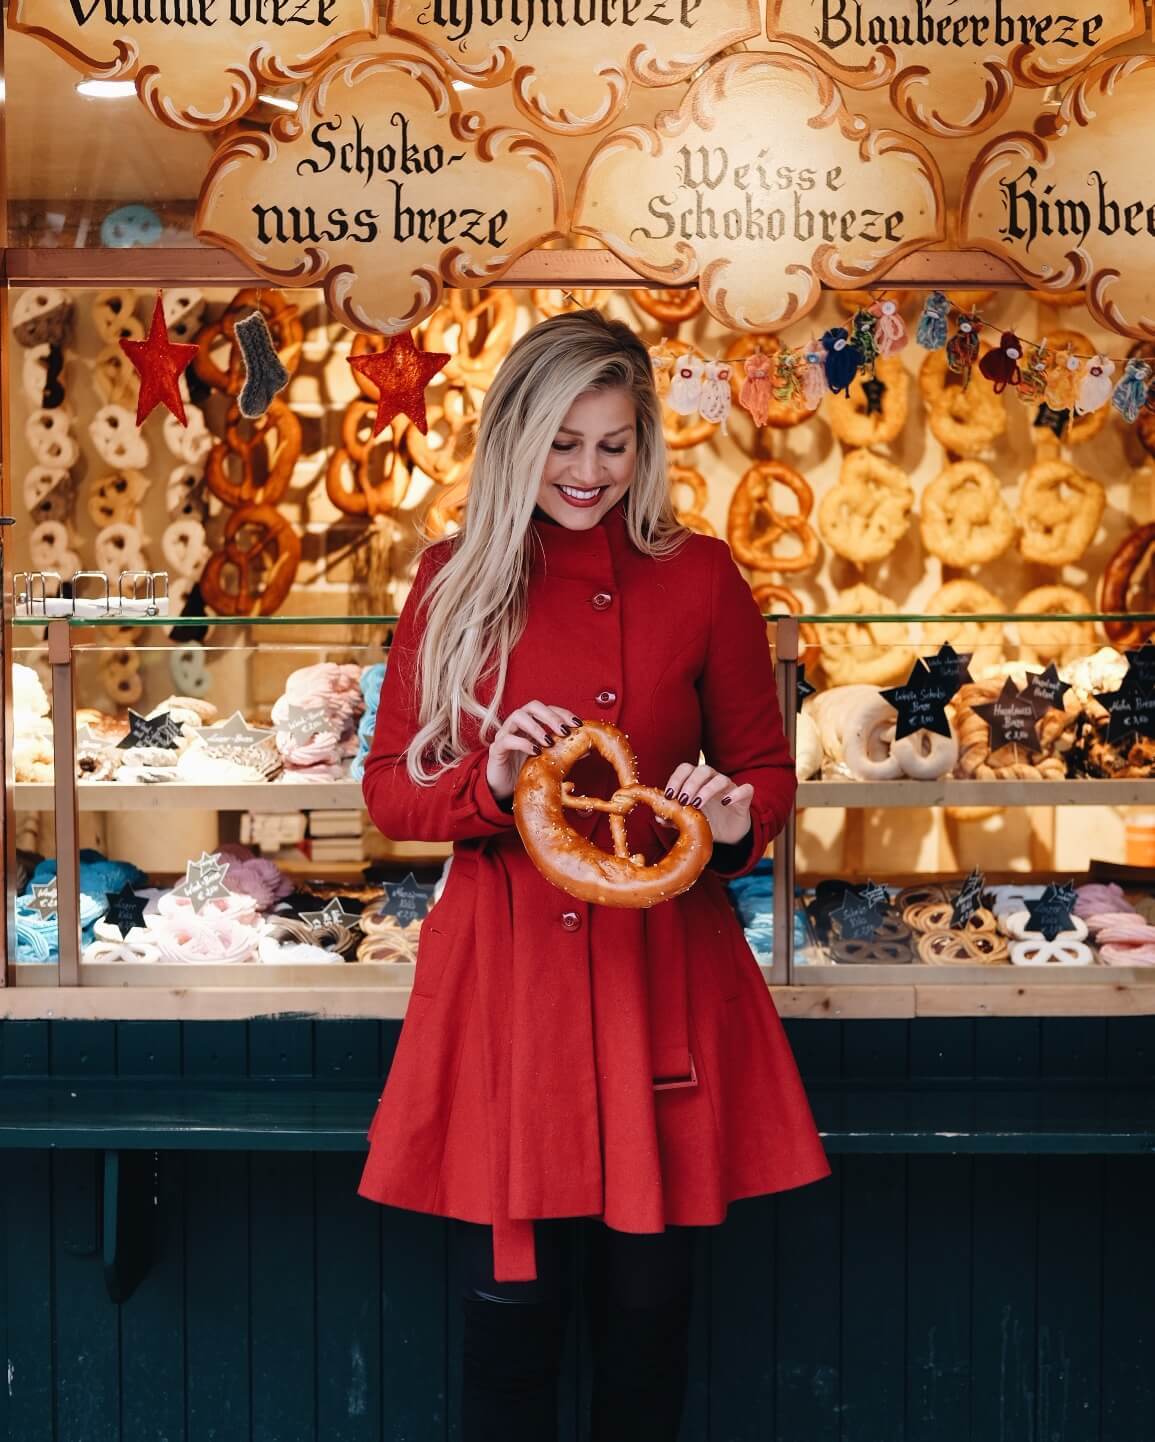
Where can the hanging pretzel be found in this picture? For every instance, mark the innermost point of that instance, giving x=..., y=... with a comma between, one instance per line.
x=253, y=578
x=1129, y=585
x=265, y=451
x=686, y=478
x=443, y=453
x=773, y=600
x=484, y=320
x=671, y=307
x=576, y=865
x=754, y=526
x=284, y=324
x=364, y=479
x=447, y=509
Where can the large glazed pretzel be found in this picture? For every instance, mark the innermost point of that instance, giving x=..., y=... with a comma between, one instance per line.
x=576, y=865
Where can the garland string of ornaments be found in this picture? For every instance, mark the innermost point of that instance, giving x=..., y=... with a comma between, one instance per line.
x=1059, y=379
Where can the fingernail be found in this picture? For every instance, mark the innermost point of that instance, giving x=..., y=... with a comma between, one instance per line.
x=577, y=720
x=669, y=793
x=697, y=801
x=549, y=740
x=726, y=800
x=683, y=797
x=565, y=730
x=537, y=750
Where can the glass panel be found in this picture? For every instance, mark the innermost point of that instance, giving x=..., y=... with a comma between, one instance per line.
x=1022, y=747
x=32, y=922
x=223, y=836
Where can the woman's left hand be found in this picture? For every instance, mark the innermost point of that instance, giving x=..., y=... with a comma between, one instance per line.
x=725, y=806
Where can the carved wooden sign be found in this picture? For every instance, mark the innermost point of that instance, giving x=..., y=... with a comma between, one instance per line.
x=198, y=64
x=1073, y=203
x=760, y=186
x=571, y=63
x=384, y=189
x=952, y=65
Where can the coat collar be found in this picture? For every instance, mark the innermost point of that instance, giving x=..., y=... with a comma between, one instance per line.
x=562, y=552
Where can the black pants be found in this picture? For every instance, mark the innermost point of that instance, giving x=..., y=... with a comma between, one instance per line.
x=638, y=1288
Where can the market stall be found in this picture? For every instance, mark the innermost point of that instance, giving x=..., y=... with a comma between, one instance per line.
x=892, y=267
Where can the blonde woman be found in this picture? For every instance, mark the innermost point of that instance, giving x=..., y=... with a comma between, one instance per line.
x=560, y=1060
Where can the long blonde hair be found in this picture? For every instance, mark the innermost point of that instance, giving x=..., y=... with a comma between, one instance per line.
x=474, y=608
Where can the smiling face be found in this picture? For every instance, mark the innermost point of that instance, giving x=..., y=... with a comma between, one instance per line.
x=591, y=462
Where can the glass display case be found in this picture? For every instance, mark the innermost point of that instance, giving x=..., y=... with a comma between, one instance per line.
x=976, y=803
x=976, y=799
x=204, y=800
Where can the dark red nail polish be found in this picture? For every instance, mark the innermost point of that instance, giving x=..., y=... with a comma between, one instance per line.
x=669, y=793
x=697, y=801
x=726, y=800
x=537, y=750
x=549, y=740
x=683, y=797
x=577, y=720
x=565, y=730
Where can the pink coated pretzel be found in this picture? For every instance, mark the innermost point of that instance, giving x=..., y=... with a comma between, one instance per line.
x=1097, y=897
x=1122, y=954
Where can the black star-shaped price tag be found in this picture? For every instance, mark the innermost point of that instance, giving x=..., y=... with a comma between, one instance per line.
x=1141, y=663
x=1045, y=691
x=204, y=881
x=406, y=901
x=160, y=731
x=803, y=688
x=44, y=899
x=1053, y=420
x=861, y=912
x=969, y=899
x=1131, y=709
x=1012, y=718
x=125, y=909
x=1051, y=914
x=921, y=703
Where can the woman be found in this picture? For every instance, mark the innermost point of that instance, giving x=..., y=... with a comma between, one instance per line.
x=559, y=1059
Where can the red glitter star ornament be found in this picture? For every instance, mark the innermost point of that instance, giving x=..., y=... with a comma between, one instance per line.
x=400, y=372
x=160, y=364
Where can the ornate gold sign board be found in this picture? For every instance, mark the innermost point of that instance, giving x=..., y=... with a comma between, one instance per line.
x=761, y=185
x=1073, y=204
x=571, y=63
x=198, y=64
x=384, y=189
x=952, y=65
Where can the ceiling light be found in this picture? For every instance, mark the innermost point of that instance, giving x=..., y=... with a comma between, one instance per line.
x=106, y=89
x=279, y=101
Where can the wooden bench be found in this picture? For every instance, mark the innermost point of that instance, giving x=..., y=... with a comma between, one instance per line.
x=126, y=1122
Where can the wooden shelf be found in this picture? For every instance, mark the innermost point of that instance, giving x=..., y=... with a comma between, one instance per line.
x=1113, y=996
x=186, y=796
x=950, y=792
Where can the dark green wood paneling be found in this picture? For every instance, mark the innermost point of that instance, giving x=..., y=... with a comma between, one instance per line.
x=982, y=1299
x=215, y=1186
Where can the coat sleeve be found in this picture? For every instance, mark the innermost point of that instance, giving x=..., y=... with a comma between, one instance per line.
x=457, y=806
x=742, y=732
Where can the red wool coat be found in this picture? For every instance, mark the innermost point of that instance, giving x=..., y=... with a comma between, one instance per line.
x=523, y=1084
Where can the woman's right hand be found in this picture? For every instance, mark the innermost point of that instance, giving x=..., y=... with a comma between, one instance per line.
x=523, y=733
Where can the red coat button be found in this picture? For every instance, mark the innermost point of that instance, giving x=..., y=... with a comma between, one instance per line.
x=602, y=601
x=571, y=920
x=606, y=698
